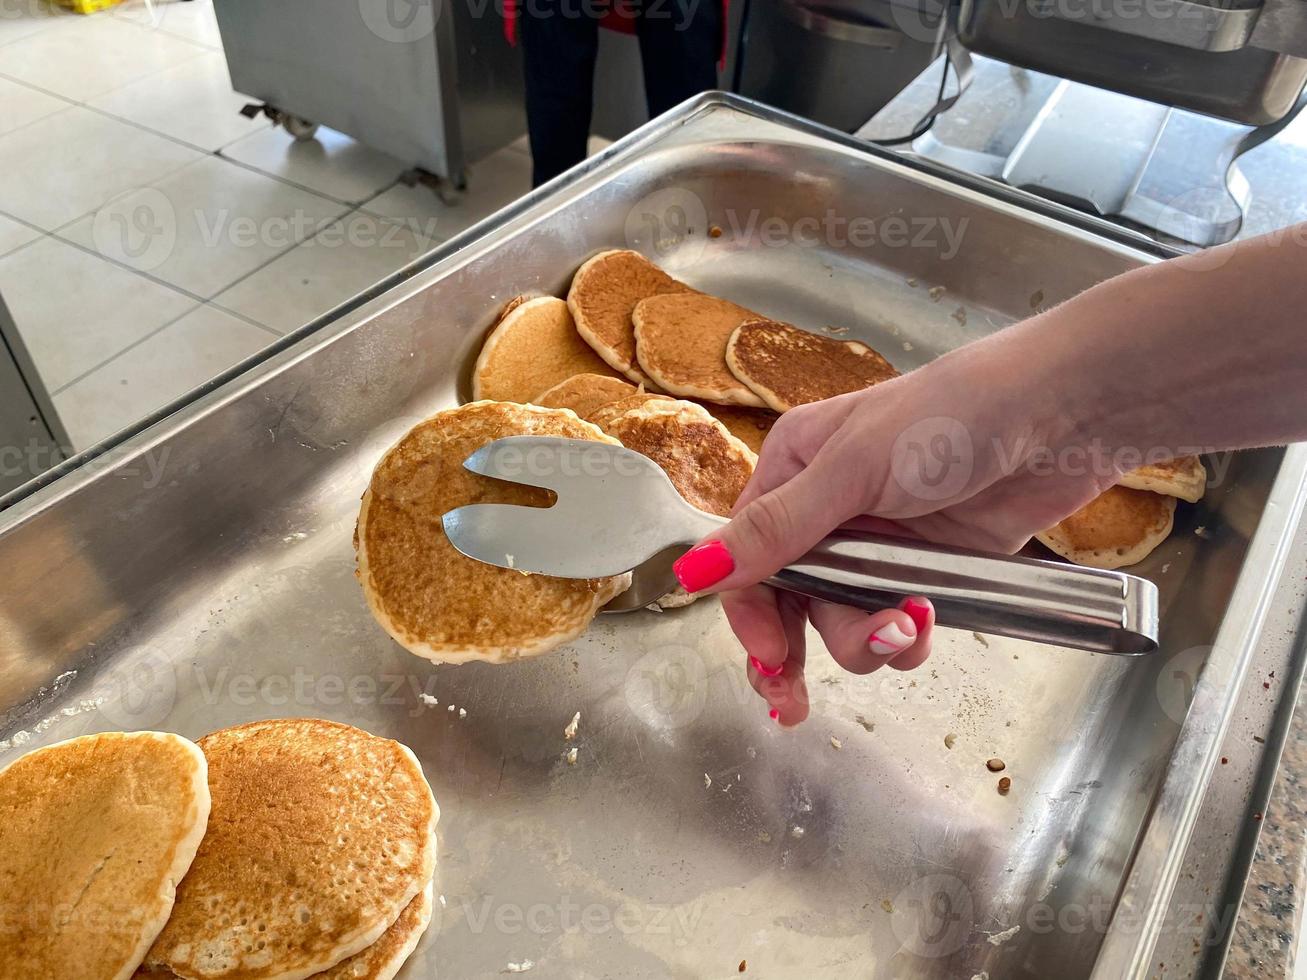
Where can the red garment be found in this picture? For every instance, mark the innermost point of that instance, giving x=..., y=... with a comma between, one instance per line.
x=616, y=19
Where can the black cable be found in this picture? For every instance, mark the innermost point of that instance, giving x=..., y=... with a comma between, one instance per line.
x=923, y=127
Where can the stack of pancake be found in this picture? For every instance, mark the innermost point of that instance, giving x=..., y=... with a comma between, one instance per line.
x=291, y=849
x=1124, y=524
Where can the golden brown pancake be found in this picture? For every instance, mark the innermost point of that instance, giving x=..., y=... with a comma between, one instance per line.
x=1184, y=477
x=320, y=836
x=436, y=602
x=1118, y=527
x=533, y=348
x=749, y=425
x=95, y=833
x=604, y=414
x=603, y=295
x=584, y=393
x=707, y=464
x=787, y=367
x=680, y=341
x=383, y=959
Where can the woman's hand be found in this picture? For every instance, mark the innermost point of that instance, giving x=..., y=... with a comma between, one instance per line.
x=947, y=453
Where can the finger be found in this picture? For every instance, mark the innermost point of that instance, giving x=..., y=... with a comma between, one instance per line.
x=922, y=612
x=794, y=440
x=772, y=530
x=862, y=642
x=787, y=692
x=756, y=621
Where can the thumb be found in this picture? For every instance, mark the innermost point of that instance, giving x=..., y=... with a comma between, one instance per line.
x=770, y=532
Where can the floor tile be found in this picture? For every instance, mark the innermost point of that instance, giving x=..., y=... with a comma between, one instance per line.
x=592, y=145
x=192, y=20
x=23, y=18
x=67, y=164
x=14, y=234
x=499, y=179
x=330, y=163
x=192, y=102
x=205, y=226
x=343, y=260
x=24, y=104
x=163, y=367
x=94, y=55
x=75, y=310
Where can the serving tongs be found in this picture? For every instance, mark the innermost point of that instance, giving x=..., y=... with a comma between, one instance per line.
x=616, y=511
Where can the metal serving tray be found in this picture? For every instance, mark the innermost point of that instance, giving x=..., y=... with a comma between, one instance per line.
x=199, y=573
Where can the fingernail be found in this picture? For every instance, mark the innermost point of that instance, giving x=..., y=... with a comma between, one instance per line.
x=774, y=715
x=919, y=611
x=763, y=669
x=889, y=639
x=703, y=566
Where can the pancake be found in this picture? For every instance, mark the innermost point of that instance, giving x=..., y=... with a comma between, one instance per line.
x=383, y=959
x=1118, y=527
x=707, y=464
x=532, y=348
x=436, y=602
x=787, y=367
x=604, y=414
x=680, y=341
x=1184, y=477
x=95, y=833
x=321, y=835
x=749, y=425
x=584, y=393
x=603, y=295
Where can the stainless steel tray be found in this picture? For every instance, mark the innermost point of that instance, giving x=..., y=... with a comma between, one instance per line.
x=200, y=573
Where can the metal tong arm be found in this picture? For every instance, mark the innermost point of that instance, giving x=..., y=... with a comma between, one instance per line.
x=1026, y=598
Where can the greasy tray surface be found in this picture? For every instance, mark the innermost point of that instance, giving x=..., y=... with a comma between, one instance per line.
x=204, y=576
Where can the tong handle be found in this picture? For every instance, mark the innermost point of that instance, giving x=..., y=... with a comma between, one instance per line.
x=1026, y=598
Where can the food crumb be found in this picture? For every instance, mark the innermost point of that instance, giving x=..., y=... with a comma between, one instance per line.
x=429, y=700
x=980, y=638
x=707, y=781
x=751, y=752
x=950, y=740
x=715, y=231
x=1036, y=298
x=1004, y=785
x=835, y=743
x=837, y=331
x=907, y=345
x=1259, y=740
x=867, y=725
x=1201, y=531
x=744, y=965
x=960, y=314
x=443, y=903
x=522, y=967
x=569, y=732
x=764, y=837
x=935, y=293
x=1225, y=761
x=796, y=832
x=912, y=283
x=462, y=712
x=999, y=938
x=450, y=708
x=571, y=756
x=509, y=559
x=887, y=905
x=1166, y=567
x=995, y=765
x=1257, y=815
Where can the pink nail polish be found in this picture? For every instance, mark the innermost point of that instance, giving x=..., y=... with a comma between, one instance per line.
x=919, y=611
x=763, y=669
x=889, y=639
x=703, y=566
x=774, y=714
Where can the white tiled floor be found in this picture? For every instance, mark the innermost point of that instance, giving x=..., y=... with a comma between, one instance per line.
x=151, y=236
